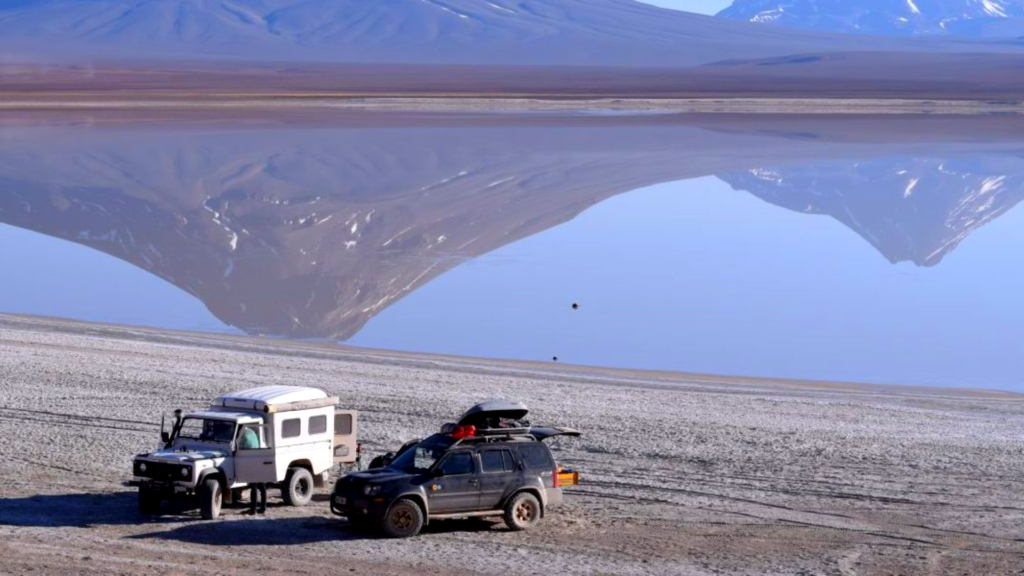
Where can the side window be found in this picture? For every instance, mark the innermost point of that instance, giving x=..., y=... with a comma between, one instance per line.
x=458, y=463
x=291, y=428
x=510, y=460
x=342, y=424
x=536, y=456
x=250, y=437
x=497, y=461
x=317, y=424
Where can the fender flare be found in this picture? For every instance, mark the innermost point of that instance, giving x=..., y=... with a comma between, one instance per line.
x=531, y=490
x=221, y=477
x=418, y=499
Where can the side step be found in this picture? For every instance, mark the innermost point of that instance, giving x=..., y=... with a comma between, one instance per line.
x=481, y=514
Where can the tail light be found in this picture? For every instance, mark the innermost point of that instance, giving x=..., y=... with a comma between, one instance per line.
x=555, y=479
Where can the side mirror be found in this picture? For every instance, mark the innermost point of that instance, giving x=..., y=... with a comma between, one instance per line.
x=437, y=473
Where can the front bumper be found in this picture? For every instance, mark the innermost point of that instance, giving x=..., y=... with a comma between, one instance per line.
x=165, y=472
x=351, y=505
x=167, y=488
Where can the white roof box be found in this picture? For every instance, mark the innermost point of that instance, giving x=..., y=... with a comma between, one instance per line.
x=276, y=399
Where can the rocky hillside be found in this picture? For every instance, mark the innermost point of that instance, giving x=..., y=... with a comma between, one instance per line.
x=976, y=18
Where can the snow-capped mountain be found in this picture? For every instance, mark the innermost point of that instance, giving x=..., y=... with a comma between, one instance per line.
x=911, y=209
x=980, y=18
x=527, y=32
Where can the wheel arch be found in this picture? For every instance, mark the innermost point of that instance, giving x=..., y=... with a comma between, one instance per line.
x=417, y=499
x=302, y=463
x=216, y=473
x=307, y=464
x=529, y=490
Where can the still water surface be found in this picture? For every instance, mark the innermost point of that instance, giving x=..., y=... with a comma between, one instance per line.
x=830, y=252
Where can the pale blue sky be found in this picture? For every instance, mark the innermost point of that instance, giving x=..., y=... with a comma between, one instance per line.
x=700, y=6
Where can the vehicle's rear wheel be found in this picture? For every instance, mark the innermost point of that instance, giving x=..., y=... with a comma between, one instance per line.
x=297, y=489
x=211, y=497
x=149, y=500
x=522, y=511
x=403, y=520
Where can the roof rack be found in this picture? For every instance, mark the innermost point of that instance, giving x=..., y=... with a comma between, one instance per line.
x=502, y=431
x=483, y=439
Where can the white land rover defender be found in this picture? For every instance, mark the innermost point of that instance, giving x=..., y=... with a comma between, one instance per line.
x=282, y=435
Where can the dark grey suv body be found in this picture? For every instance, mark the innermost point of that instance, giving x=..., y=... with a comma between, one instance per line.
x=500, y=474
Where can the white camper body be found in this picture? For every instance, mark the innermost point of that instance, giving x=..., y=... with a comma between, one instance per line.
x=282, y=435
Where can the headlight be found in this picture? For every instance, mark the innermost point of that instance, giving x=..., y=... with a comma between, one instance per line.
x=371, y=489
x=142, y=467
x=186, y=471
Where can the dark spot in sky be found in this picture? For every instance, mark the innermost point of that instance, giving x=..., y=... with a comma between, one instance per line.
x=575, y=306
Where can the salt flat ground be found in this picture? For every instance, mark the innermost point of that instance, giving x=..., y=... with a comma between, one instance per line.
x=681, y=474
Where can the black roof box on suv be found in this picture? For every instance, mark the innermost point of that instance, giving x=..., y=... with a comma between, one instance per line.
x=484, y=414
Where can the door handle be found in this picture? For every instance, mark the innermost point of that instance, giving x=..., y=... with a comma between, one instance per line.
x=269, y=463
x=474, y=482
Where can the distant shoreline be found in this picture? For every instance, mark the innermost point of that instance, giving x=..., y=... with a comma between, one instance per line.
x=633, y=377
x=511, y=103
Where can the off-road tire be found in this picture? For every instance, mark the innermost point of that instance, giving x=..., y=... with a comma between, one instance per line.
x=522, y=512
x=298, y=487
x=149, y=500
x=211, y=498
x=403, y=520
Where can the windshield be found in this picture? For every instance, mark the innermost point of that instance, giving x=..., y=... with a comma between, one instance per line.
x=205, y=430
x=422, y=456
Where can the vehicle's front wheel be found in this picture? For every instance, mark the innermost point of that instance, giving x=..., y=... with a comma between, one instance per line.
x=211, y=497
x=149, y=500
x=522, y=511
x=298, y=487
x=403, y=520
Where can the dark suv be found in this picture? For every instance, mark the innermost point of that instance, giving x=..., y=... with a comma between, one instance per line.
x=462, y=472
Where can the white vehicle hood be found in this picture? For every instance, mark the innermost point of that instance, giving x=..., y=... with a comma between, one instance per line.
x=184, y=457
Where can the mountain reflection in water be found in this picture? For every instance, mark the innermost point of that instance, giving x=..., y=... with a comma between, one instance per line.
x=309, y=232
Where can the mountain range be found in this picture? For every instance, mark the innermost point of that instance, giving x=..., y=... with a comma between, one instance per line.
x=491, y=32
x=911, y=209
x=311, y=232
x=972, y=18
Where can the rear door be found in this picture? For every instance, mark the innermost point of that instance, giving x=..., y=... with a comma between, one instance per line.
x=458, y=489
x=254, y=463
x=345, y=433
x=498, y=476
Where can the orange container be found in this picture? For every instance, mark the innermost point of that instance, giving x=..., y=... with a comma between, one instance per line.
x=568, y=479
